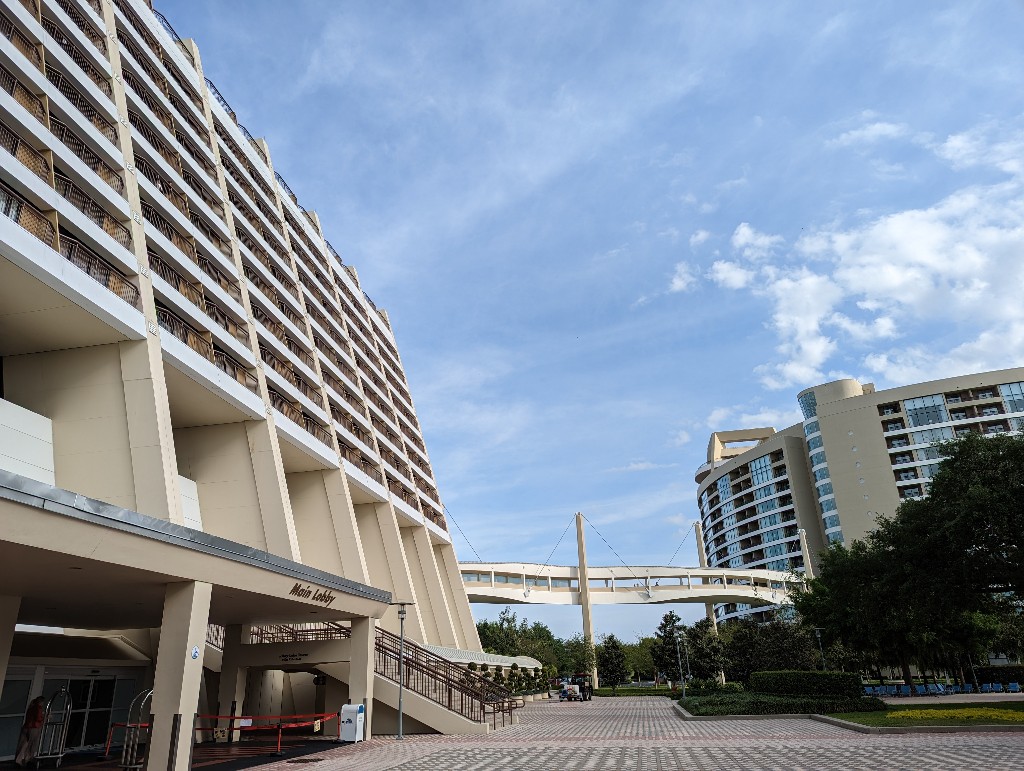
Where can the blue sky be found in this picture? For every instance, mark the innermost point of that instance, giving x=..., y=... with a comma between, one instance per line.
x=603, y=229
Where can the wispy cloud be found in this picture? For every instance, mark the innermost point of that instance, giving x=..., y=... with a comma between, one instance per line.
x=640, y=465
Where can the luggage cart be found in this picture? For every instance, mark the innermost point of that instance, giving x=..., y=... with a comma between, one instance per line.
x=53, y=738
x=132, y=758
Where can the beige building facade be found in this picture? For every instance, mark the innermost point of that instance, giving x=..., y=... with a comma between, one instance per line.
x=207, y=441
x=856, y=455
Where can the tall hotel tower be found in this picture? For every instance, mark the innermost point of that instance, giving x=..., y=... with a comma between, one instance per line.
x=857, y=453
x=212, y=479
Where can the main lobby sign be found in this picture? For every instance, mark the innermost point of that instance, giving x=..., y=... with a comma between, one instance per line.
x=306, y=592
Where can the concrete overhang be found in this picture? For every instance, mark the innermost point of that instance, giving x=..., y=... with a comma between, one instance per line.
x=78, y=562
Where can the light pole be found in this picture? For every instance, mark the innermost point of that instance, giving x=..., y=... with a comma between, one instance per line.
x=817, y=633
x=679, y=663
x=401, y=657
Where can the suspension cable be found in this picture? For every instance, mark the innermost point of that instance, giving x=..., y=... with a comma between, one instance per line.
x=471, y=546
x=552, y=554
x=680, y=546
x=627, y=567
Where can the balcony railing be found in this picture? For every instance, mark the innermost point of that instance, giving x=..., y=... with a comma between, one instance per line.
x=300, y=353
x=360, y=461
x=238, y=371
x=142, y=92
x=94, y=35
x=22, y=95
x=397, y=488
x=316, y=430
x=219, y=97
x=96, y=213
x=352, y=425
x=82, y=103
x=285, y=407
x=78, y=57
x=174, y=36
x=85, y=154
x=223, y=246
x=21, y=42
x=282, y=183
x=150, y=172
x=285, y=370
x=154, y=218
x=25, y=214
x=30, y=158
x=200, y=190
x=98, y=269
x=225, y=282
x=190, y=291
x=416, y=441
x=419, y=462
x=147, y=132
x=186, y=333
x=275, y=327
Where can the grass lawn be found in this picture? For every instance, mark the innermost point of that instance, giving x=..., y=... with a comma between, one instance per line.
x=923, y=712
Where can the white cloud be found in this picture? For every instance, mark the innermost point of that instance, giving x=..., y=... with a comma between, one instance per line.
x=640, y=465
x=681, y=437
x=698, y=238
x=730, y=275
x=869, y=134
x=683, y=279
x=753, y=244
x=740, y=416
x=978, y=147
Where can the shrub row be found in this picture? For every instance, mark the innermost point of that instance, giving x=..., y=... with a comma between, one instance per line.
x=1006, y=673
x=625, y=691
x=798, y=683
x=765, y=704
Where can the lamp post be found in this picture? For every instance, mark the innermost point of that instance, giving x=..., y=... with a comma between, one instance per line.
x=817, y=633
x=401, y=657
x=679, y=662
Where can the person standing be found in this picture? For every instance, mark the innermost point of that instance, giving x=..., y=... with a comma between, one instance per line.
x=28, y=739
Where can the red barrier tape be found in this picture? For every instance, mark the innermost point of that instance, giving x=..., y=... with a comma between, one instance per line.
x=280, y=726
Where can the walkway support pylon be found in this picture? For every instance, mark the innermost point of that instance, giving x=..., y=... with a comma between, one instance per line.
x=584, y=579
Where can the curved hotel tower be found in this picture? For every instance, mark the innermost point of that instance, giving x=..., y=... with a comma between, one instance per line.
x=857, y=453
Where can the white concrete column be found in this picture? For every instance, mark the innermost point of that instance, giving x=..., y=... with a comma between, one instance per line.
x=9, y=607
x=179, y=669
x=361, y=666
x=702, y=558
x=231, y=691
x=584, y=579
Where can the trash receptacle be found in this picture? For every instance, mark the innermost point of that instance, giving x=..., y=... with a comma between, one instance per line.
x=352, y=717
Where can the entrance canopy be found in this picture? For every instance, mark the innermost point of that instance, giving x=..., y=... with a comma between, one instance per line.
x=78, y=562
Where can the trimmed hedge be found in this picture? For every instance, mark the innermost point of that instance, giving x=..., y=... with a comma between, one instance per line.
x=765, y=704
x=797, y=683
x=627, y=691
x=1004, y=673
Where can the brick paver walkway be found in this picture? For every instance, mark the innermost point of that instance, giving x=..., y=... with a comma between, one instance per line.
x=646, y=734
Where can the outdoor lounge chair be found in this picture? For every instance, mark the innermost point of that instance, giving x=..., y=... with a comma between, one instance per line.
x=1013, y=688
x=997, y=687
x=904, y=690
x=986, y=687
x=967, y=688
x=920, y=690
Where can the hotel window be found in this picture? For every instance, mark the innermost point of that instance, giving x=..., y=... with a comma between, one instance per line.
x=817, y=459
x=925, y=410
x=1013, y=396
x=835, y=537
x=724, y=488
x=932, y=435
x=761, y=470
x=832, y=520
x=821, y=475
x=829, y=504
x=825, y=489
x=808, y=405
x=815, y=442
x=811, y=428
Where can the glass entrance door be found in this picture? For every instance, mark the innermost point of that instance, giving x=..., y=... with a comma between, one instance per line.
x=95, y=701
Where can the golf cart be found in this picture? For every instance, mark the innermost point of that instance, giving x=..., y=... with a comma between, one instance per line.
x=579, y=687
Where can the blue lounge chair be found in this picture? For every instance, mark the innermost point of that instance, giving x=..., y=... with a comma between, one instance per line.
x=986, y=687
x=967, y=688
x=953, y=689
x=920, y=690
x=1013, y=688
x=904, y=690
x=890, y=690
x=869, y=691
x=997, y=687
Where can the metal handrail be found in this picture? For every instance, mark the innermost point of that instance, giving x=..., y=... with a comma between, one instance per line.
x=78, y=57
x=165, y=152
x=220, y=99
x=107, y=128
x=364, y=464
x=98, y=269
x=21, y=94
x=161, y=183
x=174, y=36
x=30, y=158
x=96, y=213
x=442, y=681
x=285, y=407
x=318, y=431
x=312, y=631
x=191, y=292
x=228, y=284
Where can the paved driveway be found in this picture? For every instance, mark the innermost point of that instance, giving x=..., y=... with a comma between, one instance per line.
x=645, y=734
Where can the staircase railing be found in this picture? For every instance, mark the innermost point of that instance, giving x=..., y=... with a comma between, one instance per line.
x=444, y=682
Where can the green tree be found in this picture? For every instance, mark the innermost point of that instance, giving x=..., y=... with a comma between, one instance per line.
x=639, y=659
x=663, y=650
x=705, y=650
x=750, y=646
x=580, y=657
x=611, y=662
